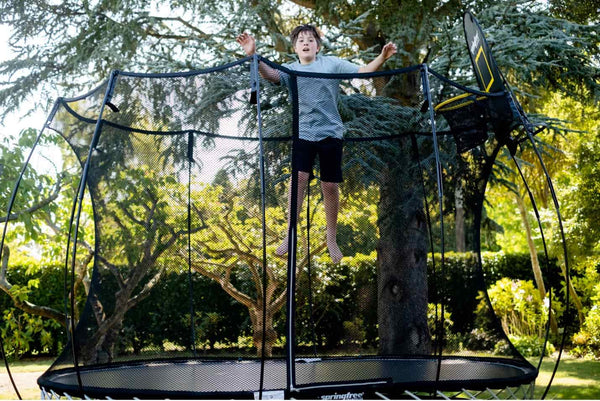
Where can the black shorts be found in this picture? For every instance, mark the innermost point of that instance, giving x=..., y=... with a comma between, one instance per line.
x=329, y=151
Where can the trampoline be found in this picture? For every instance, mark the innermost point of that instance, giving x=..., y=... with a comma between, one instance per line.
x=177, y=192
x=240, y=379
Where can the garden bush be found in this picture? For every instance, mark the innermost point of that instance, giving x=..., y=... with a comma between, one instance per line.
x=531, y=345
x=587, y=341
x=24, y=334
x=519, y=307
x=342, y=295
x=462, y=282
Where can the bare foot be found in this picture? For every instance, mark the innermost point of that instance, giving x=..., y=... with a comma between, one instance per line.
x=334, y=251
x=283, y=248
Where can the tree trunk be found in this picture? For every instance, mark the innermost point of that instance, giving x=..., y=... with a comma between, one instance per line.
x=99, y=347
x=256, y=317
x=402, y=268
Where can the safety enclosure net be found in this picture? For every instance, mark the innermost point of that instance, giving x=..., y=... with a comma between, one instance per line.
x=179, y=192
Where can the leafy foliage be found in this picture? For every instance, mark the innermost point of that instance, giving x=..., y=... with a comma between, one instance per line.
x=519, y=307
x=27, y=334
x=587, y=341
x=527, y=346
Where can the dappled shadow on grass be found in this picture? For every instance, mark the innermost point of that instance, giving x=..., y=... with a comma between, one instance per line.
x=575, y=379
x=577, y=367
x=574, y=392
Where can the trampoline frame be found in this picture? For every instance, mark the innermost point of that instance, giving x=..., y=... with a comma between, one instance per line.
x=65, y=381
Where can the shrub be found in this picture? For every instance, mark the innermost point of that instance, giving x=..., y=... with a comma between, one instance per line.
x=25, y=334
x=342, y=295
x=531, y=345
x=462, y=282
x=480, y=340
x=519, y=306
x=433, y=320
x=587, y=340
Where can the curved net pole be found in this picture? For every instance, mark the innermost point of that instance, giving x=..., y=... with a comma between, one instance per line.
x=78, y=204
x=496, y=81
x=564, y=246
x=528, y=128
x=439, y=321
x=547, y=258
x=4, y=254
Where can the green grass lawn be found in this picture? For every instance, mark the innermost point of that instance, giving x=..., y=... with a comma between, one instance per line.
x=28, y=365
x=575, y=379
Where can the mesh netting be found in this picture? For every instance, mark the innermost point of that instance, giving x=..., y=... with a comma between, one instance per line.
x=188, y=187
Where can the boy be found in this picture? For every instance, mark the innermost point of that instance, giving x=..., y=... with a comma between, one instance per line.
x=321, y=129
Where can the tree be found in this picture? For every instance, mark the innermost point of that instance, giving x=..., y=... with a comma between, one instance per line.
x=579, y=145
x=577, y=11
x=134, y=35
x=228, y=248
x=38, y=215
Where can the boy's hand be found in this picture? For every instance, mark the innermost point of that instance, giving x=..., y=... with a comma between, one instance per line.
x=389, y=50
x=247, y=42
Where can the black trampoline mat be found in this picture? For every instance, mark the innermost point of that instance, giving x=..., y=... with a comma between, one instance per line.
x=221, y=377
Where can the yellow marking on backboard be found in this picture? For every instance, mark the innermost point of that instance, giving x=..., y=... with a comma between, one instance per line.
x=487, y=64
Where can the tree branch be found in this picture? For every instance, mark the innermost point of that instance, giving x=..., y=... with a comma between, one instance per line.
x=144, y=292
x=226, y=285
x=39, y=205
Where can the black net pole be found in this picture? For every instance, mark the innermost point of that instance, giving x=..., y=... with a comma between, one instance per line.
x=546, y=256
x=527, y=127
x=4, y=253
x=529, y=130
x=79, y=200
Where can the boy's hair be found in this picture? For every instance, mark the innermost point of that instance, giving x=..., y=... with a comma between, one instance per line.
x=305, y=28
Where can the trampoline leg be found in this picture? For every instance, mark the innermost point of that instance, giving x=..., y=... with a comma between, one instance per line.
x=494, y=396
x=513, y=395
x=411, y=395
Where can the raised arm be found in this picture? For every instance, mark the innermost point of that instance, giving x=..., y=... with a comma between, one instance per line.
x=248, y=43
x=388, y=51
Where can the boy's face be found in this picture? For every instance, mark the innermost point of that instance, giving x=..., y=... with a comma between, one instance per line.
x=306, y=47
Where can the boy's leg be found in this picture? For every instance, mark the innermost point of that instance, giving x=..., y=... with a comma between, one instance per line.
x=330, y=159
x=331, y=198
x=303, y=178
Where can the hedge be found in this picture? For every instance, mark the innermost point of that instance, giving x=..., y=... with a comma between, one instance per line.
x=344, y=303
